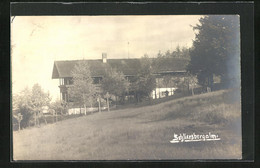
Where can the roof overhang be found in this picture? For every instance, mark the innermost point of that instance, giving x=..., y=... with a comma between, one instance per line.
x=55, y=72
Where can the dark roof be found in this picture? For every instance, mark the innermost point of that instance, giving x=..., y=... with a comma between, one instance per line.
x=169, y=65
x=128, y=67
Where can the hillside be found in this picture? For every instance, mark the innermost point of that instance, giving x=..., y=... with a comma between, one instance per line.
x=140, y=133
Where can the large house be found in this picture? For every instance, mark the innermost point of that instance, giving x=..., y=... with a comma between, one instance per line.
x=62, y=71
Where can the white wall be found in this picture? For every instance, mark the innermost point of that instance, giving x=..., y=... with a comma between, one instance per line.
x=160, y=92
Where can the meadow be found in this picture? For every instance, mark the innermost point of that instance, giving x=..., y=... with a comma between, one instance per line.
x=140, y=133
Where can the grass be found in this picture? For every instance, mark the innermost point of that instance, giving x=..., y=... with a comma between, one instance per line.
x=140, y=133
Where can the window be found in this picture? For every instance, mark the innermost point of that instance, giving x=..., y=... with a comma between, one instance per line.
x=61, y=81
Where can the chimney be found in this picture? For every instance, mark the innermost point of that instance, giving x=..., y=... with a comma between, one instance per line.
x=104, y=57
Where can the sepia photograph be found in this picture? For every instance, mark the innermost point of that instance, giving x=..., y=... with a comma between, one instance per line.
x=126, y=87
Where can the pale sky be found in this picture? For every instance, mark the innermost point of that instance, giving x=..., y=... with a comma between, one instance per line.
x=40, y=40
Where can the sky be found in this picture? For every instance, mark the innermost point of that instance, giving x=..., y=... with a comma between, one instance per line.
x=37, y=41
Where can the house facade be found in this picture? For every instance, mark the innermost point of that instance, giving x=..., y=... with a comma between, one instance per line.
x=62, y=70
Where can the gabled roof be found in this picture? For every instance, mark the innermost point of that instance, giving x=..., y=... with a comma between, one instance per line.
x=128, y=67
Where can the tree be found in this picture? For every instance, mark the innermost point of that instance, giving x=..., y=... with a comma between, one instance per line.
x=19, y=118
x=144, y=83
x=28, y=104
x=177, y=52
x=39, y=99
x=83, y=91
x=168, y=54
x=114, y=83
x=57, y=106
x=192, y=81
x=185, y=53
x=21, y=103
x=216, y=50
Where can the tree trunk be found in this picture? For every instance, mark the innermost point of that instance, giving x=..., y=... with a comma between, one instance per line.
x=56, y=115
x=45, y=120
x=210, y=81
x=19, y=122
x=116, y=101
x=38, y=119
x=188, y=84
x=99, y=107
x=150, y=101
x=35, y=119
x=85, y=109
x=53, y=117
x=108, y=104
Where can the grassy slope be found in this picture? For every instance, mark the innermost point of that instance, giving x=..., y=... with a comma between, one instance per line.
x=139, y=133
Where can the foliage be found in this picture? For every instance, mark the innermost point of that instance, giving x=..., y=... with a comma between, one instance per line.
x=144, y=82
x=114, y=83
x=144, y=128
x=19, y=118
x=216, y=50
x=181, y=52
x=29, y=103
x=58, y=107
x=178, y=52
x=21, y=103
x=179, y=58
x=192, y=82
x=182, y=83
x=39, y=98
x=83, y=91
